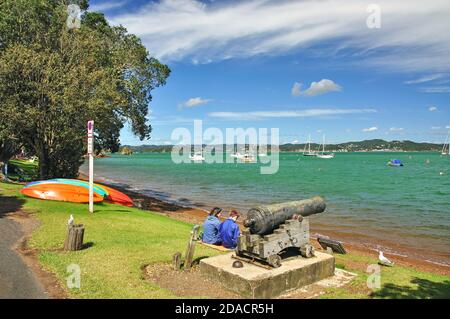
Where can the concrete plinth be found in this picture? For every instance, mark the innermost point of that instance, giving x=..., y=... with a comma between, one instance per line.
x=252, y=281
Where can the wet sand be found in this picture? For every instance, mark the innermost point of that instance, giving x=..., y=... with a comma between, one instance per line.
x=351, y=242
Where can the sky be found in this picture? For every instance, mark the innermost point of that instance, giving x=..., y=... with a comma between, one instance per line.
x=350, y=70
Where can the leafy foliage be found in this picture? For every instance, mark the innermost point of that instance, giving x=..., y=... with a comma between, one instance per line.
x=54, y=79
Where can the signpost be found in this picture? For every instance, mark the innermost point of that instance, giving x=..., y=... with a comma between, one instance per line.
x=90, y=150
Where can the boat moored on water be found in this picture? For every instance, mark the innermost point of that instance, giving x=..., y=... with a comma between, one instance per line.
x=248, y=158
x=395, y=162
x=197, y=157
x=445, y=147
x=323, y=154
x=308, y=145
x=236, y=155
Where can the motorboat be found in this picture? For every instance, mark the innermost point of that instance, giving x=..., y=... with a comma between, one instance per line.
x=395, y=162
x=197, y=157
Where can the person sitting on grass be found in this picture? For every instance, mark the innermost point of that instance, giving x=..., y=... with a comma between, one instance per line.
x=229, y=231
x=211, y=227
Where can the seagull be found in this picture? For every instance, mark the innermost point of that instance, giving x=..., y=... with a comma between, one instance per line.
x=70, y=221
x=383, y=260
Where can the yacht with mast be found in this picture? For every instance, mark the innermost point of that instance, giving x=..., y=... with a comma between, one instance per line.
x=197, y=157
x=308, y=145
x=322, y=154
x=445, y=148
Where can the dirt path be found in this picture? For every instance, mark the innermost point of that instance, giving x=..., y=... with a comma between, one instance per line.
x=17, y=280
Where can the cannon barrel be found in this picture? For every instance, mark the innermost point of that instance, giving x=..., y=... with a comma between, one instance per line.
x=263, y=220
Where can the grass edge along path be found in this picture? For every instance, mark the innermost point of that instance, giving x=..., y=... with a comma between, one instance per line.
x=120, y=240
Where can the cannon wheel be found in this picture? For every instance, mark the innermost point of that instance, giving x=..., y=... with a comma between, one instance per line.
x=307, y=251
x=274, y=261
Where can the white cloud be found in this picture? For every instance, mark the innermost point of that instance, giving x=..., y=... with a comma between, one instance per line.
x=413, y=36
x=295, y=142
x=195, y=101
x=370, y=129
x=105, y=6
x=296, y=89
x=426, y=78
x=171, y=120
x=257, y=115
x=396, y=129
x=435, y=127
x=322, y=87
x=448, y=126
x=436, y=89
x=432, y=108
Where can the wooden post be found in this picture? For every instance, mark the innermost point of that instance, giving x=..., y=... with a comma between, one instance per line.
x=191, y=247
x=74, y=239
x=176, y=261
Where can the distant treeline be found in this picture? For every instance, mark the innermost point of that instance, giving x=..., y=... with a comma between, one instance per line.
x=361, y=146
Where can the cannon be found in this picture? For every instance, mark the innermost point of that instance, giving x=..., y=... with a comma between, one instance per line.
x=272, y=229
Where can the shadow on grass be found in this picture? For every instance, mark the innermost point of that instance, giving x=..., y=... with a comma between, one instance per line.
x=10, y=204
x=425, y=289
x=97, y=210
x=87, y=245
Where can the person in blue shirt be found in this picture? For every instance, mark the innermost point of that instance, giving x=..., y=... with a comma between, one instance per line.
x=211, y=227
x=229, y=231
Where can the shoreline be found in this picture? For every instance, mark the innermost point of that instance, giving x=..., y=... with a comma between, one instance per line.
x=197, y=216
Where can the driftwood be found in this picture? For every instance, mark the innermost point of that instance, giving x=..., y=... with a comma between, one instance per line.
x=191, y=247
x=176, y=261
x=74, y=239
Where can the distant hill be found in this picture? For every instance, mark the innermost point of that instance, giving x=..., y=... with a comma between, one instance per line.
x=361, y=146
x=370, y=145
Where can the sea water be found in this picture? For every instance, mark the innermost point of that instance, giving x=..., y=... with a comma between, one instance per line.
x=400, y=209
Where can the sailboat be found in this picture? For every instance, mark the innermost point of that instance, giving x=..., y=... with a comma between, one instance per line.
x=445, y=148
x=197, y=157
x=309, y=152
x=323, y=154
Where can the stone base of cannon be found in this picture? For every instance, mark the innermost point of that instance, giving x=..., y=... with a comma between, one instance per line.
x=253, y=281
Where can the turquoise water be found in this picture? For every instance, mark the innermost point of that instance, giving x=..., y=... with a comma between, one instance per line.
x=402, y=209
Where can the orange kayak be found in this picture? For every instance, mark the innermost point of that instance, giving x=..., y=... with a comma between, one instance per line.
x=116, y=197
x=60, y=192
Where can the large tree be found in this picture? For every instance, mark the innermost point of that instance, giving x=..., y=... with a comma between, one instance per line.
x=53, y=79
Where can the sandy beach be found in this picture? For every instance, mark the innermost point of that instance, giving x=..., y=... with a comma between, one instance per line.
x=197, y=216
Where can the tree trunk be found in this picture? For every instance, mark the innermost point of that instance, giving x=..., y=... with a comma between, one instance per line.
x=2, y=176
x=43, y=163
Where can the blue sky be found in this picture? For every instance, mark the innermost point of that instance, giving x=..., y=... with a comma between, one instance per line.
x=304, y=67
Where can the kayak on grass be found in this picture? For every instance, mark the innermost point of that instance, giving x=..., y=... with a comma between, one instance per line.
x=110, y=194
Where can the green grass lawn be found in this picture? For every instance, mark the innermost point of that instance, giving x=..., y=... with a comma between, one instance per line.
x=28, y=170
x=123, y=239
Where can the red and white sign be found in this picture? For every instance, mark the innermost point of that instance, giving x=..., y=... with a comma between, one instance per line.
x=90, y=133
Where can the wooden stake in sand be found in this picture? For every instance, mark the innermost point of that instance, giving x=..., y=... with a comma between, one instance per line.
x=176, y=261
x=74, y=239
x=191, y=247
